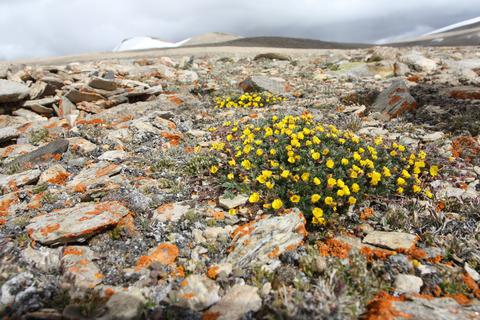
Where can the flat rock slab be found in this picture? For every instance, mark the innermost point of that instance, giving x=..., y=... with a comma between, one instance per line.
x=391, y=240
x=96, y=173
x=11, y=91
x=81, y=145
x=8, y=204
x=57, y=147
x=263, y=83
x=13, y=182
x=77, y=223
x=230, y=203
x=8, y=133
x=261, y=242
x=103, y=84
x=78, y=267
x=239, y=300
x=16, y=150
x=395, y=100
x=416, y=308
x=77, y=96
x=170, y=212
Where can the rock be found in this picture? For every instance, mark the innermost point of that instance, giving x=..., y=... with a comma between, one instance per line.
x=418, y=62
x=8, y=133
x=224, y=269
x=77, y=96
x=170, y=212
x=197, y=292
x=395, y=100
x=231, y=203
x=239, y=300
x=261, y=242
x=38, y=108
x=11, y=91
x=4, y=68
x=29, y=115
x=37, y=89
x=472, y=272
x=96, y=173
x=56, y=174
x=391, y=240
x=165, y=254
x=274, y=85
x=67, y=110
x=320, y=264
x=124, y=306
x=8, y=206
x=103, y=84
x=187, y=76
x=113, y=155
x=406, y=283
x=75, y=224
x=464, y=93
x=432, y=137
x=79, y=271
x=271, y=56
x=52, y=149
x=45, y=259
x=434, y=309
x=400, y=69
x=212, y=233
x=15, y=286
x=13, y=182
x=81, y=145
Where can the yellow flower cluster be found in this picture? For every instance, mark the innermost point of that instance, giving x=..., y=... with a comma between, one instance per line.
x=294, y=161
x=249, y=100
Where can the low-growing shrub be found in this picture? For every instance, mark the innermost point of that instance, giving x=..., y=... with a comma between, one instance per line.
x=294, y=161
x=249, y=100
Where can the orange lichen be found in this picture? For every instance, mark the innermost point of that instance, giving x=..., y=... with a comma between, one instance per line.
x=465, y=147
x=366, y=213
x=80, y=188
x=212, y=273
x=49, y=228
x=105, y=170
x=243, y=230
x=380, y=308
x=59, y=178
x=128, y=223
x=375, y=254
x=274, y=253
x=460, y=298
x=209, y=315
x=165, y=253
x=173, y=139
x=335, y=248
x=72, y=250
x=91, y=121
x=472, y=285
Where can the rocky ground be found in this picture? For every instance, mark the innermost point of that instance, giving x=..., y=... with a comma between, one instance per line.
x=108, y=209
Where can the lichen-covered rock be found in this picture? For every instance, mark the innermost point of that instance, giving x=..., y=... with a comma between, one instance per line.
x=391, y=240
x=79, y=271
x=75, y=224
x=395, y=100
x=197, y=292
x=261, y=242
x=13, y=182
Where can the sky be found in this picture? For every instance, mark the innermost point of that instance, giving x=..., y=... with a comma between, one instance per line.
x=42, y=28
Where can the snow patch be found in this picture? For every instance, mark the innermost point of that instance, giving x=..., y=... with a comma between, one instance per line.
x=455, y=25
x=142, y=43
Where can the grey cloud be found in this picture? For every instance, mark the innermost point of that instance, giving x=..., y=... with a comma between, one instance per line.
x=35, y=28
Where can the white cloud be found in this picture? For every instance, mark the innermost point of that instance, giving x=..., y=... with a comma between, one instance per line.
x=32, y=28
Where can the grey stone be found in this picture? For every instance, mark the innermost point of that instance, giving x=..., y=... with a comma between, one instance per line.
x=77, y=96
x=263, y=83
x=197, y=293
x=45, y=259
x=11, y=182
x=11, y=91
x=54, y=147
x=103, y=84
x=391, y=240
x=14, y=287
x=419, y=62
x=124, y=306
x=231, y=203
x=395, y=100
x=407, y=283
x=8, y=133
x=239, y=300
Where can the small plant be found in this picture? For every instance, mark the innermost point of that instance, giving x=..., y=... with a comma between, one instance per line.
x=37, y=136
x=249, y=100
x=293, y=161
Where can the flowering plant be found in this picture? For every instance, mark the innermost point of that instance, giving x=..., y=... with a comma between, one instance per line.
x=248, y=100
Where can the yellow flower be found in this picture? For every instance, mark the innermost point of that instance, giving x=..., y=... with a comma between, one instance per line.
x=340, y=183
x=269, y=185
x=230, y=176
x=352, y=200
x=316, y=155
x=401, y=181
x=433, y=171
x=356, y=156
x=247, y=164
x=340, y=193
x=330, y=163
x=416, y=189
x=401, y=148
x=317, y=212
x=353, y=174
x=261, y=179
x=331, y=182
x=213, y=169
x=315, y=197
x=344, y=161
x=325, y=151
x=277, y=204
x=386, y=172
x=376, y=177
x=317, y=181
x=273, y=152
x=393, y=153
x=254, y=197
x=400, y=190
x=405, y=174
x=429, y=194
x=291, y=159
x=328, y=201
x=305, y=176
x=232, y=211
x=267, y=173
x=259, y=152
x=355, y=187
x=295, y=198
x=285, y=173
